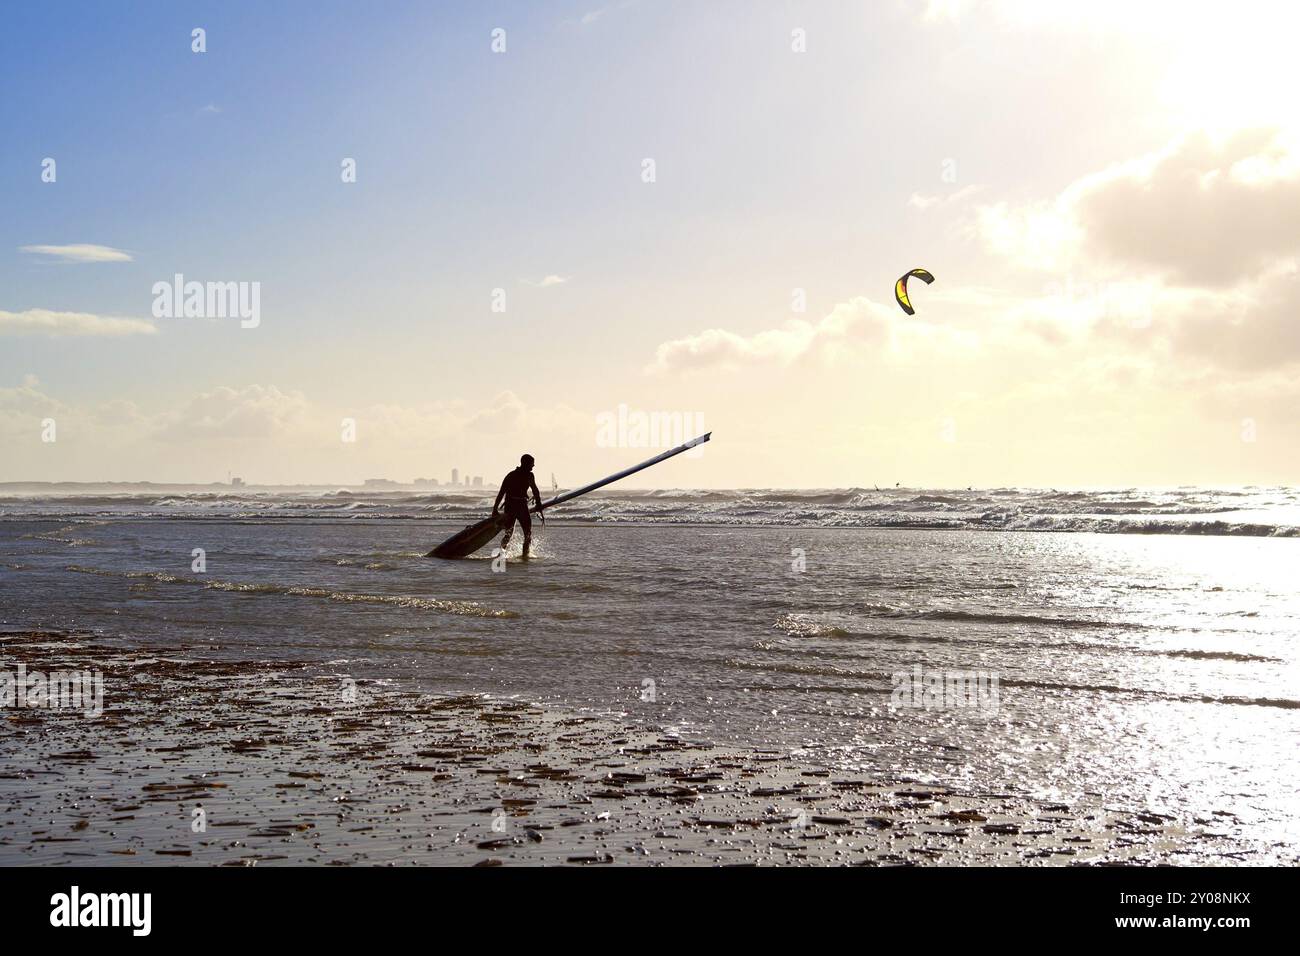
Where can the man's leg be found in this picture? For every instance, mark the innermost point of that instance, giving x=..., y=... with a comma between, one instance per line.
x=526, y=522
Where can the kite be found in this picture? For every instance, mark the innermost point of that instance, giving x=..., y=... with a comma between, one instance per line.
x=900, y=288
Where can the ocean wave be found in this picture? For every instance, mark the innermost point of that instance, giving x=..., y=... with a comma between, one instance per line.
x=462, y=608
x=804, y=626
x=1140, y=692
x=986, y=617
x=795, y=623
x=874, y=680
x=1268, y=512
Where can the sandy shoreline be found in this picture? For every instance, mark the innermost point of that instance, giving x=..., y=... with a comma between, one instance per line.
x=196, y=761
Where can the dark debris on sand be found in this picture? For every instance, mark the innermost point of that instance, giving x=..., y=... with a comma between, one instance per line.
x=202, y=762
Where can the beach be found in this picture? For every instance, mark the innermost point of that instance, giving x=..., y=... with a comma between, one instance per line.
x=210, y=763
x=642, y=692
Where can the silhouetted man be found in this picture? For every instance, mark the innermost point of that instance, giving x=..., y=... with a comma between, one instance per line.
x=514, y=489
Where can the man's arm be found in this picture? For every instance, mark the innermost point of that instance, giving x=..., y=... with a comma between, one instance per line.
x=496, y=505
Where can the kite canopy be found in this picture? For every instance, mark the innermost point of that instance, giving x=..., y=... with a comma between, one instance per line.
x=900, y=288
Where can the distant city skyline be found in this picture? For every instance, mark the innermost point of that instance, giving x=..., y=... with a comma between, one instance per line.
x=476, y=481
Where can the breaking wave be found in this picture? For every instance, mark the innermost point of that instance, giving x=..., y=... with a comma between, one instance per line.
x=1250, y=512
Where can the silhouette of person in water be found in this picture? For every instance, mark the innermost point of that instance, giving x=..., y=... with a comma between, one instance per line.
x=514, y=489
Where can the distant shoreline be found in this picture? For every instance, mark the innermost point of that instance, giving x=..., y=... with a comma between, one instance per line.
x=221, y=486
x=490, y=488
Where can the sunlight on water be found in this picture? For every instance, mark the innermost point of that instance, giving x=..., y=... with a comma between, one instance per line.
x=1151, y=672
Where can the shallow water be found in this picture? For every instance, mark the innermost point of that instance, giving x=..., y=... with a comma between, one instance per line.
x=1159, y=672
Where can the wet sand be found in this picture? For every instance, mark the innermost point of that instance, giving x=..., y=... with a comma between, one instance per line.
x=287, y=766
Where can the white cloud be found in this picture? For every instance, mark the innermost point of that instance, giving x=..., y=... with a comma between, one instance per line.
x=1038, y=235
x=859, y=320
x=272, y=434
x=1251, y=328
x=80, y=252
x=718, y=347
x=1188, y=253
x=21, y=411
x=253, y=412
x=266, y=415
x=46, y=322
x=27, y=398
x=548, y=281
x=505, y=413
x=591, y=16
x=923, y=202
x=1202, y=212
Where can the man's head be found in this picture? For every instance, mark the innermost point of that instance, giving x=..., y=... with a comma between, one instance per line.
x=526, y=462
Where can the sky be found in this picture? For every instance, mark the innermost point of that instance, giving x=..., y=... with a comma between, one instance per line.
x=561, y=209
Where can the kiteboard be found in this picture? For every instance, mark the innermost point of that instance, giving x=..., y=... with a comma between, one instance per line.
x=468, y=540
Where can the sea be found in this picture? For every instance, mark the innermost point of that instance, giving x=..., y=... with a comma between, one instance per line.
x=1133, y=648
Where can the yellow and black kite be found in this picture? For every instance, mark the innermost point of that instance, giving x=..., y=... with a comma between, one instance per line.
x=900, y=288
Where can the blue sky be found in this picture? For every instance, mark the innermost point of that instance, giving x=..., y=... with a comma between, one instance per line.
x=821, y=171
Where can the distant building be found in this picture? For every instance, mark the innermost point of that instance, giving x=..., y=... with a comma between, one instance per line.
x=380, y=483
x=455, y=476
x=478, y=481
x=236, y=482
x=426, y=482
